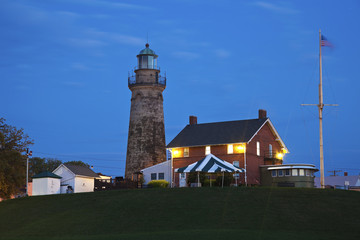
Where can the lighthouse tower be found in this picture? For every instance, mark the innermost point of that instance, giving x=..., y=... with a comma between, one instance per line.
x=146, y=139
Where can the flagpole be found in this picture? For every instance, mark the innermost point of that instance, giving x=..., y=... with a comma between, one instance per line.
x=321, y=106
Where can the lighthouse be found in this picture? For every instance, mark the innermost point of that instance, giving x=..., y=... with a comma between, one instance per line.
x=146, y=137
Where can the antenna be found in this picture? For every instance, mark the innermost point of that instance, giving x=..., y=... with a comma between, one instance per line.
x=147, y=37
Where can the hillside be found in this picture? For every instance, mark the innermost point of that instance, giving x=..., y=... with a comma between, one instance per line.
x=204, y=213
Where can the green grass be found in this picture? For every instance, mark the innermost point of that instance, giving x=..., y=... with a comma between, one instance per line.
x=196, y=213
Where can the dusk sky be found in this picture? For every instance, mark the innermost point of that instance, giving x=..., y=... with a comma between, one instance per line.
x=64, y=66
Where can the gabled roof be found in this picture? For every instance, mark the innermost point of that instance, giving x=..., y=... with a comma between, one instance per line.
x=218, y=133
x=46, y=175
x=80, y=170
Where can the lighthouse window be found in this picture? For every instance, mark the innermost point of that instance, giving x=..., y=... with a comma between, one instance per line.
x=143, y=62
x=150, y=62
x=301, y=172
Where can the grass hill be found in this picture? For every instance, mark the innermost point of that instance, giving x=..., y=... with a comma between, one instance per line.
x=187, y=213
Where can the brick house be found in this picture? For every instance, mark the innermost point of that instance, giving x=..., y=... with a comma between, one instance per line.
x=246, y=144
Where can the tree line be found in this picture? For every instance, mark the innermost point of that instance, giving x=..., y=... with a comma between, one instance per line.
x=13, y=145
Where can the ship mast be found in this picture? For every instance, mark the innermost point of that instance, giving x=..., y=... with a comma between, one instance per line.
x=321, y=107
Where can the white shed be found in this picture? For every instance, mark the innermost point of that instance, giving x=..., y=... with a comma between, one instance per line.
x=46, y=183
x=159, y=171
x=78, y=178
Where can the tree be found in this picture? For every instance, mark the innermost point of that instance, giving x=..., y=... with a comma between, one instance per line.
x=78, y=163
x=13, y=142
x=38, y=165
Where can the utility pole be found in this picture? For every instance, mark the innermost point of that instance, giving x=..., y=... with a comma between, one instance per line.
x=321, y=107
x=334, y=172
x=27, y=170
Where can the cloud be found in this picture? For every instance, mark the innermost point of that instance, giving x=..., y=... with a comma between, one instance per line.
x=72, y=84
x=85, y=42
x=275, y=8
x=113, y=4
x=186, y=55
x=127, y=39
x=221, y=53
x=80, y=66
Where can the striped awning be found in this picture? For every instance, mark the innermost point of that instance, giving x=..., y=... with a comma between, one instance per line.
x=210, y=164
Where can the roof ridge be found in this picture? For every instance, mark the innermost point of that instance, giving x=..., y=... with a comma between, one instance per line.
x=227, y=121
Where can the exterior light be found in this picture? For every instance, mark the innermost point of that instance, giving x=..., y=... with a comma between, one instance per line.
x=240, y=148
x=176, y=153
x=279, y=156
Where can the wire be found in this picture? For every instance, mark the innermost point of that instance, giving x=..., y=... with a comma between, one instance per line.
x=76, y=156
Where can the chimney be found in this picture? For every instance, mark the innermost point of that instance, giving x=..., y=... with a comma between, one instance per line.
x=345, y=174
x=262, y=113
x=192, y=120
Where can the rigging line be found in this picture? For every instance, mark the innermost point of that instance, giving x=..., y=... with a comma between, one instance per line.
x=307, y=135
x=76, y=156
x=314, y=68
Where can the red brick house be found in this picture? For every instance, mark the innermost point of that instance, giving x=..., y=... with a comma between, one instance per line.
x=245, y=143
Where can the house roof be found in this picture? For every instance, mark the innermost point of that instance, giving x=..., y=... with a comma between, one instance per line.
x=217, y=133
x=46, y=175
x=339, y=181
x=80, y=170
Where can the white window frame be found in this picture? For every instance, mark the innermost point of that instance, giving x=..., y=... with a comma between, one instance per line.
x=301, y=172
x=289, y=172
x=207, y=150
x=186, y=152
x=294, y=171
x=230, y=149
x=151, y=176
x=270, y=150
x=274, y=173
x=162, y=177
x=280, y=173
x=258, y=148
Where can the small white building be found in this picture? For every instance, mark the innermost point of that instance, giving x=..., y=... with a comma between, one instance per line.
x=159, y=171
x=45, y=183
x=77, y=178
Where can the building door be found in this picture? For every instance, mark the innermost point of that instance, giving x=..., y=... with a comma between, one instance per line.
x=182, y=180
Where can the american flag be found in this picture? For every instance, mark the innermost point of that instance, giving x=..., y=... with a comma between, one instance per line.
x=325, y=42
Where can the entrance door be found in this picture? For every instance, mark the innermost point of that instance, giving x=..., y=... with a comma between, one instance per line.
x=182, y=180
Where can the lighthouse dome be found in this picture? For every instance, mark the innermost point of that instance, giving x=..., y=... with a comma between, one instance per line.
x=147, y=51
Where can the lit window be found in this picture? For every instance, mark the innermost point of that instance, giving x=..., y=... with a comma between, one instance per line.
x=230, y=149
x=236, y=163
x=207, y=150
x=153, y=176
x=273, y=173
x=186, y=152
x=294, y=172
x=258, y=148
x=161, y=176
x=287, y=172
x=281, y=173
x=301, y=172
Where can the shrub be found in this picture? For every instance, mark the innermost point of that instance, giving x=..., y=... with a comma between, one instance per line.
x=158, y=184
x=228, y=179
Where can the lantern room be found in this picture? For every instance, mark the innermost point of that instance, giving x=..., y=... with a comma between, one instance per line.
x=147, y=59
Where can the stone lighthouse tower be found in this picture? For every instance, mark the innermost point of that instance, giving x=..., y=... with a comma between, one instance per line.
x=146, y=139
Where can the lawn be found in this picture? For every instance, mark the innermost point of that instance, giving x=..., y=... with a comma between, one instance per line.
x=196, y=213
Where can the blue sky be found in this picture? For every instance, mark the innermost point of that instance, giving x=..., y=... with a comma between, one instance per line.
x=64, y=67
